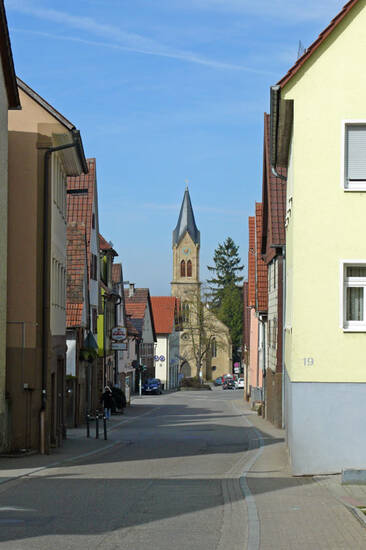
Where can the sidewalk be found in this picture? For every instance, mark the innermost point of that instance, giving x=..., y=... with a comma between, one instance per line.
x=312, y=513
x=76, y=446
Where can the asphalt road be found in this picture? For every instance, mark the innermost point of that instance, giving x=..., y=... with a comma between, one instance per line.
x=172, y=480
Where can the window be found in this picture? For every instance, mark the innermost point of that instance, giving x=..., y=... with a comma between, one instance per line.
x=274, y=274
x=94, y=320
x=213, y=348
x=274, y=333
x=354, y=285
x=355, y=157
x=94, y=268
x=189, y=268
x=93, y=221
x=185, y=313
x=182, y=268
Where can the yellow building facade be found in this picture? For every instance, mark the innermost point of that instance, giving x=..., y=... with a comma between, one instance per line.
x=318, y=128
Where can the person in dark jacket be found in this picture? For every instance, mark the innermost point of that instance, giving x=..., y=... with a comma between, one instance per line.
x=107, y=401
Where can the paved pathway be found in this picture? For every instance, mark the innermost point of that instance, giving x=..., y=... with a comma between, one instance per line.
x=172, y=475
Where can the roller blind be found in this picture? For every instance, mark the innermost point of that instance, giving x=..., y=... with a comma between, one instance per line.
x=356, y=152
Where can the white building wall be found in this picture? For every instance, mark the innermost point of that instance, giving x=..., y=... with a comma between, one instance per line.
x=71, y=357
x=162, y=367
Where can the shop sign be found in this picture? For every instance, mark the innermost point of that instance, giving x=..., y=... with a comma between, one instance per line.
x=119, y=333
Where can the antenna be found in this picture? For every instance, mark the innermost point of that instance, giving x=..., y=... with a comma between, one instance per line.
x=301, y=50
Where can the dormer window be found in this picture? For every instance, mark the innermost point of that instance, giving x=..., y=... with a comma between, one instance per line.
x=182, y=268
x=189, y=268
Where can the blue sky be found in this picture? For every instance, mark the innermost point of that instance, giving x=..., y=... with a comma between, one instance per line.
x=165, y=91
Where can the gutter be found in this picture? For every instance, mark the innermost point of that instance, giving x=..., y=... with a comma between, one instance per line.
x=274, y=119
x=45, y=275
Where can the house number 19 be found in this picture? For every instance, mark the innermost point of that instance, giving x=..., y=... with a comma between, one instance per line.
x=308, y=361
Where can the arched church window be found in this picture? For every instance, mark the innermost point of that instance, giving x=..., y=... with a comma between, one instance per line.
x=185, y=312
x=189, y=268
x=182, y=268
x=213, y=348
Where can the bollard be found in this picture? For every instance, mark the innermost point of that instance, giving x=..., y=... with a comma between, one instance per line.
x=88, y=425
x=105, y=427
x=97, y=426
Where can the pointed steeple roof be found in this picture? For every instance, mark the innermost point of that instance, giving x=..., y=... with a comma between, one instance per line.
x=186, y=222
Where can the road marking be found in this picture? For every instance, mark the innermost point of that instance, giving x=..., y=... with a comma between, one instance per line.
x=253, y=518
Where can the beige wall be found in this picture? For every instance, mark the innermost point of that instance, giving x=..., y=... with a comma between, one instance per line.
x=183, y=285
x=3, y=251
x=29, y=129
x=186, y=288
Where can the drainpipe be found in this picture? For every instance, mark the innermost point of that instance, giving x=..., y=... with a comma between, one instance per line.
x=283, y=332
x=46, y=281
x=283, y=253
x=274, y=119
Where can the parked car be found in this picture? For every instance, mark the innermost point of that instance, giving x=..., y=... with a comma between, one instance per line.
x=153, y=385
x=229, y=384
x=240, y=384
x=218, y=381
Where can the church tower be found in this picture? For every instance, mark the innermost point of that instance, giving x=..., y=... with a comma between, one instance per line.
x=186, y=249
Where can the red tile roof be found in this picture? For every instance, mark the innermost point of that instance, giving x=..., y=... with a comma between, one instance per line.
x=251, y=262
x=262, y=277
x=105, y=245
x=82, y=191
x=76, y=266
x=274, y=202
x=74, y=314
x=165, y=309
x=261, y=266
x=136, y=306
x=135, y=311
x=315, y=45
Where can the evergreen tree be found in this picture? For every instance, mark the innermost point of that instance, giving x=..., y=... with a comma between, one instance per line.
x=226, y=271
x=230, y=313
x=226, y=295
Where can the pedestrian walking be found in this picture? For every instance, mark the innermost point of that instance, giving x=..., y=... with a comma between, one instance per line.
x=107, y=401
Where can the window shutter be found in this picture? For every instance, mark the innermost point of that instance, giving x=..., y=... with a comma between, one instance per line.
x=356, y=152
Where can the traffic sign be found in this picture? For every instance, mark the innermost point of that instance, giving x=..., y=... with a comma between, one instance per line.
x=119, y=346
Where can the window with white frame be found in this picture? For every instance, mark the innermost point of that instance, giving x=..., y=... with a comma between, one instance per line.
x=354, y=313
x=355, y=156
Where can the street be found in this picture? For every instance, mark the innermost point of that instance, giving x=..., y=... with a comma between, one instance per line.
x=175, y=475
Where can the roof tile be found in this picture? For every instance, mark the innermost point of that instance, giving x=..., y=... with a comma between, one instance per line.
x=165, y=309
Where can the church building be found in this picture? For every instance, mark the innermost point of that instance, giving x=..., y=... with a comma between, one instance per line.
x=203, y=335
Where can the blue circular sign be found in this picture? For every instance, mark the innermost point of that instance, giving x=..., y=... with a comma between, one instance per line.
x=162, y=358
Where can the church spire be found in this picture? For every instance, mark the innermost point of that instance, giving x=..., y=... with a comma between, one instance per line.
x=186, y=222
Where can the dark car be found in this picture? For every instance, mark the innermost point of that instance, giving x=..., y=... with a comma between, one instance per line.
x=218, y=381
x=153, y=385
x=229, y=384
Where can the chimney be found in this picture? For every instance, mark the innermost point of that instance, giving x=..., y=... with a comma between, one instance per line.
x=131, y=290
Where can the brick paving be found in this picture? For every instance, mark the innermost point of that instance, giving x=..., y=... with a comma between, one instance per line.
x=302, y=513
